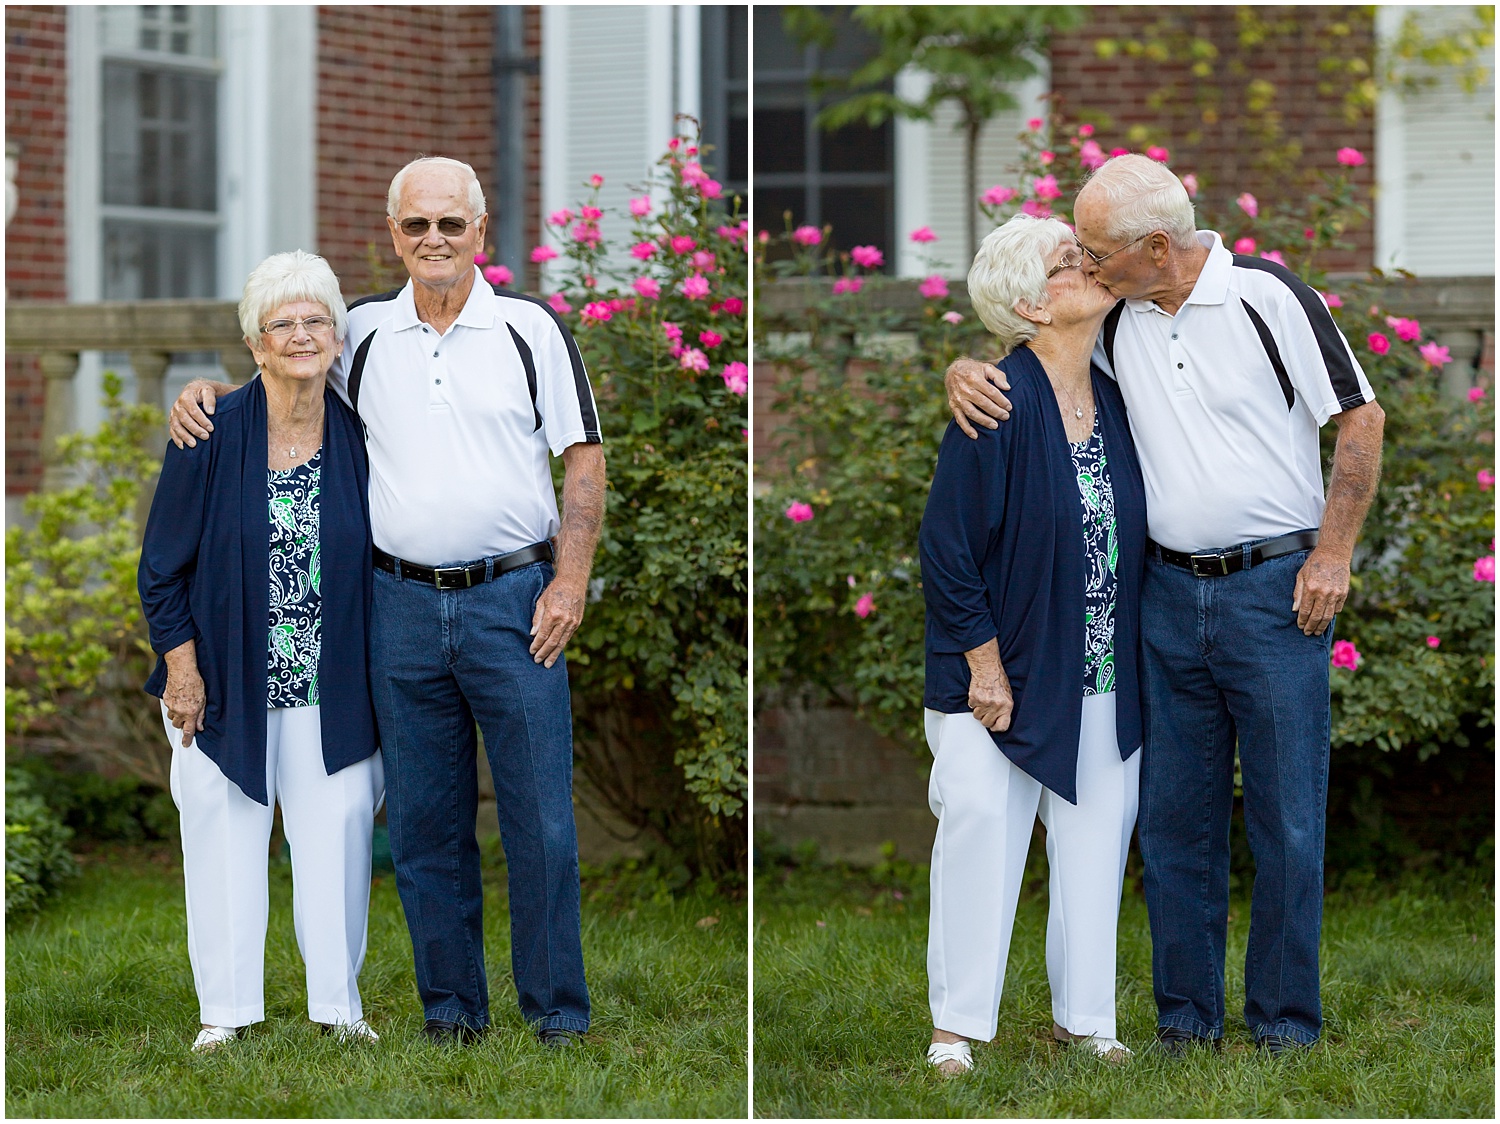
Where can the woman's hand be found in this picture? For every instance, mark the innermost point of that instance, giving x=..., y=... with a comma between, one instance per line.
x=184, y=695
x=989, y=687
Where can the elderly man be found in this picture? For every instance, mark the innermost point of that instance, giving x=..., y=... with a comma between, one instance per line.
x=1229, y=365
x=463, y=391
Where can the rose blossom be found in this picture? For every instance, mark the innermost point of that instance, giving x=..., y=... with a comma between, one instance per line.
x=1248, y=204
x=710, y=339
x=640, y=206
x=1119, y=152
x=807, y=236
x=540, y=254
x=590, y=214
x=1486, y=479
x=1333, y=300
x=1046, y=188
x=587, y=233
x=1158, y=153
x=1190, y=182
x=933, y=288
x=695, y=287
x=867, y=256
x=596, y=180
x=481, y=258
x=710, y=189
x=702, y=259
x=954, y=317
x=848, y=285
x=672, y=331
x=560, y=218
x=693, y=174
x=1273, y=255
x=1091, y=156
x=733, y=305
x=799, y=512
x=1405, y=329
x=1045, y=158
x=1484, y=568
x=1435, y=355
x=1085, y=130
x=1379, y=344
x=1036, y=209
x=682, y=244
x=1476, y=393
x=923, y=234
x=596, y=312
x=648, y=287
x=643, y=251
x=1244, y=246
x=498, y=275
x=694, y=360
x=559, y=304
x=1345, y=654
x=998, y=196
x=1035, y=124
x=864, y=606
x=736, y=377
x=1433, y=641
x=1350, y=157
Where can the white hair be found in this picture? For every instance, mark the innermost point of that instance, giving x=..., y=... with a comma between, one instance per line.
x=476, y=193
x=1010, y=267
x=285, y=279
x=1141, y=196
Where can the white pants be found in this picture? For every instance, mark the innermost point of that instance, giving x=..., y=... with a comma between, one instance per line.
x=986, y=807
x=225, y=844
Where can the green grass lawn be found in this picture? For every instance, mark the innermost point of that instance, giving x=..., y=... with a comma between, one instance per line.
x=100, y=1012
x=841, y=1018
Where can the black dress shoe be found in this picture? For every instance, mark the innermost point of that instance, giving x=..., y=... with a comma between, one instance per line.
x=555, y=1038
x=1174, y=1041
x=1279, y=1045
x=444, y=1032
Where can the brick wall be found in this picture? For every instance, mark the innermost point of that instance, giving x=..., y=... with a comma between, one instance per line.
x=36, y=117
x=1123, y=88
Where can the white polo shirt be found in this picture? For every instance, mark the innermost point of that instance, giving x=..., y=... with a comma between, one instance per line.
x=459, y=426
x=1228, y=444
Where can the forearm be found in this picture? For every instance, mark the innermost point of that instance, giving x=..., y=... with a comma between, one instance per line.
x=182, y=659
x=984, y=662
x=1352, y=485
x=582, y=514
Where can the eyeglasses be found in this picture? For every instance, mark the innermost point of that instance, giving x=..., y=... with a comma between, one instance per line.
x=1071, y=259
x=448, y=226
x=314, y=324
x=1098, y=259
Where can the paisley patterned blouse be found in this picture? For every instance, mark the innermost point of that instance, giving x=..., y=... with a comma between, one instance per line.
x=1101, y=559
x=295, y=641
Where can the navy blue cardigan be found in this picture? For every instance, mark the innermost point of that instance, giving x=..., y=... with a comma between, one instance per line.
x=205, y=575
x=1002, y=547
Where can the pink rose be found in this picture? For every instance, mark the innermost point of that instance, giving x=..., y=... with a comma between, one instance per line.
x=695, y=287
x=864, y=606
x=1350, y=157
x=693, y=360
x=867, y=256
x=1345, y=655
x=923, y=234
x=1433, y=641
x=1333, y=300
x=933, y=288
x=560, y=218
x=807, y=236
x=736, y=377
x=1435, y=355
x=640, y=206
x=1091, y=156
x=1045, y=158
x=674, y=143
x=1035, y=124
x=1309, y=234
x=799, y=512
x=648, y=287
x=1036, y=209
x=671, y=331
x=1158, y=153
x=1476, y=393
x=1486, y=479
x=1379, y=344
x=1190, y=182
x=587, y=233
x=1405, y=329
x=596, y=312
x=559, y=304
x=1244, y=246
x=1118, y=152
x=1248, y=204
x=693, y=174
x=710, y=339
x=1484, y=568
x=643, y=251
x=596, y=180
x=710, y=189
x=682, y=244
x=998, y=196
x=702, y=259
x=540, y=254
x=590, y=214
x=733, y=305
x=954, y=317
x=498, y=275
x=481, y=258
x=1273, y=255
x=1085, y=130
x=1046, y=188
x=848, y=285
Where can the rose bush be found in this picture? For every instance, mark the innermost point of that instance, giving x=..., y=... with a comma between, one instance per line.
x=658, y=667
x=838, y=604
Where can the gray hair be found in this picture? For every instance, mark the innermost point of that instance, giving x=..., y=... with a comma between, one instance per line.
x=287, y=278
x=1142, y=196
x=1011, y=266
x=476, y=193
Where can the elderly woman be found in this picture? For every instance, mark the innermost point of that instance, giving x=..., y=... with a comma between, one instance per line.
x=1032, y=548
x=257, y=592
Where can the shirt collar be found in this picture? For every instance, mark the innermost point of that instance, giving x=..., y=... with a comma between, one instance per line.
x=478, y=311
x=1212, y=286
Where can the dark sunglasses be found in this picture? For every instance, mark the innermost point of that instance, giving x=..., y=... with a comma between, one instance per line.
x=448, y=226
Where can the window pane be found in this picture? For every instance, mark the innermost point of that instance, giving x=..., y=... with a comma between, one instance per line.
x=738, y=21
x=160, y=138
x=861, y=216
x=737, y=162
x=771, y=202
x=774, y=48
x=780, y=139
x=857, y=148
x=144, y=261
x=180, y=29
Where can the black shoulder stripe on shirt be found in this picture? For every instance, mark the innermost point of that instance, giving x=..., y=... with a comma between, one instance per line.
x=357, y=369
x=586, y=409
x=1111, y=326
x=530, y=364
x=1273, y=353
x=373, y=298
x=1335, y=354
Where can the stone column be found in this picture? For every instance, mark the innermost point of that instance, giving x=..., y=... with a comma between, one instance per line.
x=58, y=414
x=238, y=361
x=150, y=380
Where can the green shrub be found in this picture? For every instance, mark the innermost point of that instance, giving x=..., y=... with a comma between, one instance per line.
x=101, y=808
x=36, y=852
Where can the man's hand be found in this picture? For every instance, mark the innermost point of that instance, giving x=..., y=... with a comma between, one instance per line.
x=188, y=419
x=974, y=394
x=184, y=695
x=559, y=610
x=989, y=687
x=1321, y=590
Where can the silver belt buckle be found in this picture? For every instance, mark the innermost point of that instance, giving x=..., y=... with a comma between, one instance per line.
x=1218, y=560
x=455, y=572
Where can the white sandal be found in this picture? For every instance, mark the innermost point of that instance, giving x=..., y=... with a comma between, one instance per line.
x=212, y=1037
x=940, y=1052
x=360, y=1031
x=1111, y=1050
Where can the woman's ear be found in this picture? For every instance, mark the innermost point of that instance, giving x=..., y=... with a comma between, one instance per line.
x=1036, y=313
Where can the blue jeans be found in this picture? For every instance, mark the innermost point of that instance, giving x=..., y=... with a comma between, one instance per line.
x=439, y=660
x=1224, y=663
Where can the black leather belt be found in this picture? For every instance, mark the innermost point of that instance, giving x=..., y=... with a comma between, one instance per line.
x=471, y=573
x=1218, y=563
